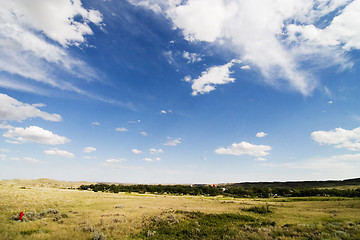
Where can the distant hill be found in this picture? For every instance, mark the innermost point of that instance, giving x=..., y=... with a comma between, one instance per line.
x=298, y=184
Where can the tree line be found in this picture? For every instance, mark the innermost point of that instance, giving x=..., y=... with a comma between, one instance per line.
x=208, y=190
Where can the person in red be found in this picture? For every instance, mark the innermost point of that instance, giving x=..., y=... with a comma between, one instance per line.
x=21, y=216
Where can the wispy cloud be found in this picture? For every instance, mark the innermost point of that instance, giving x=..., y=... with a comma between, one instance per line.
x=59, y=153
x=336, y=163
x=35, y=46
x=121, y=129
x=89, y=149
x=144, y=133
x=115, y=160
x=12, y=109
x=26, y=52
x=152, y=159
x=287, y=35
x=32, y=160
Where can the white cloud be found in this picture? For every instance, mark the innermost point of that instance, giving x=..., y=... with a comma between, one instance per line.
x=31, y=160
x=166, y=111
x=144, y=133
x=2, y=157
x=12, y=142
x=89, y=149
x=34, y=39
x=245, y=67
x=216, y=75
x=151, y=159
x=12, y=109
x=59, y=153
x=187, y=78
x=156, y=151
x=4, y=125
x=4, y=150
x=61, y=25
x=34, y=134
x=95, y=123
x=114, y=160
x=261, y=134
x=122, y=129
x=191, y=57
x=136, y=151
x=245, y=148
x=173, y=141
x=154, y=7
x=342, y=32
x=276, y=37
x=260, y=159
x=341, y=138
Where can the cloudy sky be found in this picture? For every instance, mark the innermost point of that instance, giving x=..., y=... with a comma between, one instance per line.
x=196, y=91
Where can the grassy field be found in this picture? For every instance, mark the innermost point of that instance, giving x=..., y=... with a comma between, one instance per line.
x=52, y=211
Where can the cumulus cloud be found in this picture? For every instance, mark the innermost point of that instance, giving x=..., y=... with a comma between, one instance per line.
x=89, y=149
x=213, y=76
x=173, y=141
x=59, y=153
x=191, y=57
x=34, y=41
x=12, y=109
x=341, y=138
x=151, y=159
x=34, y=134
x=261, y=134
x=276, y=37
x=245, y=148
x=136, y=151
x=122, y=129
x=156, y=151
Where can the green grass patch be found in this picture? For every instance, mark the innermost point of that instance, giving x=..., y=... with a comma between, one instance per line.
x=32, y=231
x=197, y=225
x=259, y=209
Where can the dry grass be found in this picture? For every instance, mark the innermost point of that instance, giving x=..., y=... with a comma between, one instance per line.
x=84, y=214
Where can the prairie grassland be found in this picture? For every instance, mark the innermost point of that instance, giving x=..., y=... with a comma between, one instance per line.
x=97, y=215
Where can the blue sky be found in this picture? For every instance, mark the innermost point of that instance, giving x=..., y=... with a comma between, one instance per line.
x=197, y=91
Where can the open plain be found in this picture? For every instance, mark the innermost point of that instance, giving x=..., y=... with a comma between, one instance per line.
x=57, y=210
